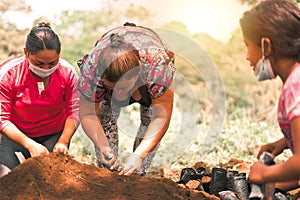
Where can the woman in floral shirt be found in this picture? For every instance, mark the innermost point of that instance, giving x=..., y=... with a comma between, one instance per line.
x=129, y=64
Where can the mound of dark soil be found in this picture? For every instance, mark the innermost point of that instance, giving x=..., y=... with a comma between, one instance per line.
x=57, y=176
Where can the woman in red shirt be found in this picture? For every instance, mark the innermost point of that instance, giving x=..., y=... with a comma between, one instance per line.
x=39, y=101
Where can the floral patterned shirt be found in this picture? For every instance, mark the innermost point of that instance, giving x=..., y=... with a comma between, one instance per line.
x=157, y=63
x=289, y=105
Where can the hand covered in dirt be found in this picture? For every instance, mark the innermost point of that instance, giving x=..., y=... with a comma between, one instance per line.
x=117, y=166
x=256, y=173
x=132, y=166
x=61, y=148
x=108, y=157
x=37, y=149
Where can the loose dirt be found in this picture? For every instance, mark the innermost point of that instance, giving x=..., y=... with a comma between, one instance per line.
x=58, y=176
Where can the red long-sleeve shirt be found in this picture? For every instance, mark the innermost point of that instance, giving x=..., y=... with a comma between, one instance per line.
x=35, y=110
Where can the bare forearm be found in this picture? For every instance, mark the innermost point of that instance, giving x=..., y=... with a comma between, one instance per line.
x=153, y=136
x=90, y=122
x=14, y=134
x=286, y=171
x=282, y=145
x=94, y=130
x=161, y=115
x=68, y=132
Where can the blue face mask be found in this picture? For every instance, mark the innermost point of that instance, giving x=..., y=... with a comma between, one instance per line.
x=264, y=70
x=41, y=72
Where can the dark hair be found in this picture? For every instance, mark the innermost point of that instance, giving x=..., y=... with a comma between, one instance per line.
x=129, y=24
x=42, y=37
x=118, y=59
x=278, y=20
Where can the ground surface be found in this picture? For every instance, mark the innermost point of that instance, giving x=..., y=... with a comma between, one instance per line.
x=57, y=176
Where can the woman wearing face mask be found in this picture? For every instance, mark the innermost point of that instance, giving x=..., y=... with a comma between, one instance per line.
x=39, y=102
x=271, y=32
x=129, y=64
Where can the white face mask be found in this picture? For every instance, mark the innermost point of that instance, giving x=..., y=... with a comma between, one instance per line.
x=263, y=70
x=43, y=73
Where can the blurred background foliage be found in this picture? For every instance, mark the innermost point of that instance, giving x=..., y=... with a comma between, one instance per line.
x=248, y=103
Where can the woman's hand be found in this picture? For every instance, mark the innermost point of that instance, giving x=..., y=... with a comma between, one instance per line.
x=94, y=130
x=62, y=145
x=37, y=149
x=34, y=148
x=61, y=148
x=133, y=165
x=256, y=173
x=117, y=166
x=107, y=156
x=274, y=148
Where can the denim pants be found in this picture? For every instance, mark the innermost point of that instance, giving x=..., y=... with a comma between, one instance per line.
x=9, y=147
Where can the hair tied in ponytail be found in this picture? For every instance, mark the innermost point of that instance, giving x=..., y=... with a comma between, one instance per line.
x=129, y=24
x=42, y=26
x=116, y=40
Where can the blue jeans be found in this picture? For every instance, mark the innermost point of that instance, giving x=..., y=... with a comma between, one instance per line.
x=9, y=147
